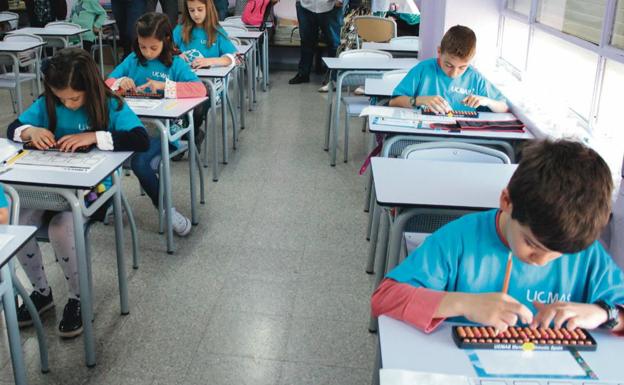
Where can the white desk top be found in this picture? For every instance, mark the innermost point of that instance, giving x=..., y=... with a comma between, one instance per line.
x=244, y=35
x=64, y=178
x=4, y=17
x=404, y=347
x=380, y=87
x=457, y=185
x=335, y=63
x=21, y=234
x=376, y=125
x=394, y=47
x=214, y=72
x=14, y=46
x=51, y=31
x=108, y=22
x=169, y=108
x=243, y=49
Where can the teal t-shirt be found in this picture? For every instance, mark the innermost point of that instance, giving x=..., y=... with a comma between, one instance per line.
x=198, y=47
x=4, y=203
x=467, y=255
x=428, y=79
x=179, y=71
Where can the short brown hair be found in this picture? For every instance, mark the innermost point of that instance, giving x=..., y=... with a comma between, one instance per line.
x=155, y=25
x=561, y=190
x=459, y=41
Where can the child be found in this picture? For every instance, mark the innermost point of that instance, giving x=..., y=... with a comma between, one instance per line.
x=204, y=44
x=550, y=216
x=155, y=66
x=4, y=207
x=448, y=82
x=75, y=110
x=88, y=14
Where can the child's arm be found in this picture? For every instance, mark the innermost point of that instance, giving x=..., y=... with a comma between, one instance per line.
x=435, y=103
x=118, y=79
x=4, y=215
x=30, y=127
x=573, y=315
x=475, y=101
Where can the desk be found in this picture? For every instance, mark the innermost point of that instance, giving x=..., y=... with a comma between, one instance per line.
x=380, y=87
x=405, y=347
x=254, y=36
x=346, y=67
x=112, y=24
x=161, y=115
x=64, y=190
x=5, y=17
x=21, y=235
x=400, y=49
x=217, y=80
x=245, y=50
x=63, y=34
x=12, y=49
x=265, y=50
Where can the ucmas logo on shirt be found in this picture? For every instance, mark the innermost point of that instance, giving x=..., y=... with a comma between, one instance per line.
x=159, y=75
x=193, y=54
x=461, y=90
x=546, y=296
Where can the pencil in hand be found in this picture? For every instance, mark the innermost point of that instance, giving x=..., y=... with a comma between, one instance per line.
x=507, y=273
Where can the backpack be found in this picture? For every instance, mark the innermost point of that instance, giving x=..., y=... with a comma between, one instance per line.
x=254, y=12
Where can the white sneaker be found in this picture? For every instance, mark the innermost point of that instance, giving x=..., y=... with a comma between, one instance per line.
x=181, y=224
x=324, y=88
x=359, y=91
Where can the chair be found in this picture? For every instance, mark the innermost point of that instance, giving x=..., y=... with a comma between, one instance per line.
x=106, y=33
x=424, y=221
x=13, y=23
x=233, y=27
x=233, y=20
x=407, y=41
x=374, y=29
x=355, y=104
x=29, y=59
x=62, y=42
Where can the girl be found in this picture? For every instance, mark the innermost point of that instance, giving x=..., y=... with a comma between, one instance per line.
x=154, y=65
x=204, y=44
x=88, y=14
x=75, y=110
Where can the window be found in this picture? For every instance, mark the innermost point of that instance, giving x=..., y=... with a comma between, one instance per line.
x=617, y=38
x=610, y=111
x=580, y=18
x=515, y=40
x=520, y=6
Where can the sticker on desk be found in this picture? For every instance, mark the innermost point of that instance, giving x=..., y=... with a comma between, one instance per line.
x=4, y=240
x=54, y=160
x=146, y=104
x=530, y=364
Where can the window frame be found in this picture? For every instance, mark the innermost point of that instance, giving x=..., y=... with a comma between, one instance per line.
x=604, y=49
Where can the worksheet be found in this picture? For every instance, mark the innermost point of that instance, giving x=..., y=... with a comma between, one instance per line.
x=84, y=162
x=143, y=103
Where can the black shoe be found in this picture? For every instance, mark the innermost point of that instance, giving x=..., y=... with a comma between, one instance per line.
x=42, y=303
x=299, y=79
x=199, y=139
x=71, y=324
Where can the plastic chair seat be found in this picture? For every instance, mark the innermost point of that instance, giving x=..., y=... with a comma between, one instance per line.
x=355, y=104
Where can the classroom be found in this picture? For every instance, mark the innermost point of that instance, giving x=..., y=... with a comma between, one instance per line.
x=311, y=192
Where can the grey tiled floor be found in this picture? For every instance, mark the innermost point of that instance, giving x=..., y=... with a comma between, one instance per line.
x=268, y=289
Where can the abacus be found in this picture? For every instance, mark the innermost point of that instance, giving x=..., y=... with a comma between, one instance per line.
x=144, y=95
x=452, y=114
x=83, y=149
x=522, y=338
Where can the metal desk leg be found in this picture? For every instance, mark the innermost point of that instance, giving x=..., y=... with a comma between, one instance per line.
x=18, y=85
x=380, y=269
x=192, y=172
x=255, y=69
x=212, y=134
x=10, y=316
x=101, y=52
x=330, y=99
x=224, y=126
x=166, y=181
x=250, y=78
x=241, y=97
x=133, y=231
x=119, y=243
x=265, y=60
x=230, y=105
x=336, y=117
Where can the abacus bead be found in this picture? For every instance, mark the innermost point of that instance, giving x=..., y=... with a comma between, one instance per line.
x=581, y=334
x=473, y=340
x=497, y=340
x=492, y=331
x=476, y=332
x=574, y=335
x=469, y=332
x=551, y=333
x=513, y=332
x=481, y=341
x=484, y=331
x=461, y=332
x=542, y=342
x=488, y=340
x=559, y=334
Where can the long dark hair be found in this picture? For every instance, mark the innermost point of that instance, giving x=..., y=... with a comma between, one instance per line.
x=76, y=69
x=210, y=24
x=155, y=25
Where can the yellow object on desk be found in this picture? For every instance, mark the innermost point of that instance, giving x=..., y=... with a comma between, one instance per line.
x=171, y=105
x=16, y=157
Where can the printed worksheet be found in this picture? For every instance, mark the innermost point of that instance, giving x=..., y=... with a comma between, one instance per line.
x=83, y=162
x=143, y=103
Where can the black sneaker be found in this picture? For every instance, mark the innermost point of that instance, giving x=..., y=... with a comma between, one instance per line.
x=71, y=324
x=299, y=79
x=42, y=303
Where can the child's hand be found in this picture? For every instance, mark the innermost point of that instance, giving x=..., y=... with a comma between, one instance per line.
x=41, y=138
x=435, y=103
x=201, y=62
x=573, y=314
x=495, y=309
x=127, y=84
x=153, y=85
x=475, y=101
x=70, y=143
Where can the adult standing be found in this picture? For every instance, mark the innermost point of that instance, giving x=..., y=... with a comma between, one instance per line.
x=314, y=15
x=126, y=13
x=169, y=8
x=41, y=12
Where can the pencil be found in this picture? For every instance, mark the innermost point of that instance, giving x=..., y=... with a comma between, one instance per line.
x=507, y=274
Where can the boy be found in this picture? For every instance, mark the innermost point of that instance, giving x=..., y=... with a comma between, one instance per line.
x=551, y=213
x=448, y=82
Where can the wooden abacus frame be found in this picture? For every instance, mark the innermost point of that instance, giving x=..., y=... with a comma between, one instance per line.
x=452, y=114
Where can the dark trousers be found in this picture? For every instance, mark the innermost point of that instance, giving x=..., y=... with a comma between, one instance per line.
x=126, y=13
x=329, y=23
x=222, y=8
x=169, y=8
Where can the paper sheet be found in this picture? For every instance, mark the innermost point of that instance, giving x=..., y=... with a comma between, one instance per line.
x=143, y=103
x=529, y=363
x=414, y=114
x=405, y=377
x=81, y=162
x=5, y=239
x=7, y=150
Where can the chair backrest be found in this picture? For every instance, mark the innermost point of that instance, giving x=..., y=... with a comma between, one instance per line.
x=236, y=20
x=235, y=40
x=14, y=203
x=25, y=58
x=395, y=75
x=366, y=53
x=12, y=23
x=407, y=41
x=230, y=28
x=454, y=152
x=64, y=24
x=375, y=29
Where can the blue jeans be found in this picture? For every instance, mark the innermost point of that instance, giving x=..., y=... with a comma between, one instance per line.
x=145, y=167
x=126, y=13
x=309, y=24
